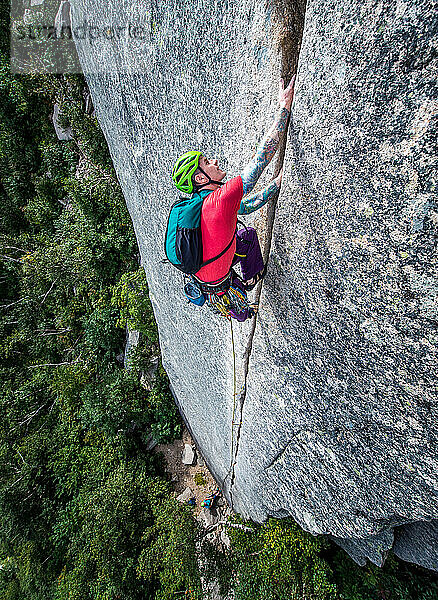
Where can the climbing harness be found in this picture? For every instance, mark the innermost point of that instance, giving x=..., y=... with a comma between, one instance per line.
x=232, y=300
x=223, y=297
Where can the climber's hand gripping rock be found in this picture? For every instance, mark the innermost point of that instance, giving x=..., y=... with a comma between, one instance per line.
x=285, y=96
x=264, y=154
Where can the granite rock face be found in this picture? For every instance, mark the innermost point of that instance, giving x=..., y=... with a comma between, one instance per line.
x=62, y=134
x=344, y=353
x=417, y=543
x=333, y=401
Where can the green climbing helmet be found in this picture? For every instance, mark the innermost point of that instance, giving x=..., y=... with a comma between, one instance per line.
x=184, y=169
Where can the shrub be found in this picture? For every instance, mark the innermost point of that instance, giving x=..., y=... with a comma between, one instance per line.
x=130, y=295
x=199, y=478
x=280, y=561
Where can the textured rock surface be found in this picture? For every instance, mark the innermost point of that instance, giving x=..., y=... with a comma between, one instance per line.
x=185, y=496
x=132, y=340
x=62, y=18
x=344, y=354
x=63, y=134
x=418, y=543
x=339, y=391
x=205, y=78
x=188, y=455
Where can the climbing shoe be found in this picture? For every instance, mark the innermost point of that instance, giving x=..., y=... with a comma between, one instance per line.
x=251, y=283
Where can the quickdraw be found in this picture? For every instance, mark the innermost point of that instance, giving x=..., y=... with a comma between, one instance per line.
x=222, y=296
x=233, y=299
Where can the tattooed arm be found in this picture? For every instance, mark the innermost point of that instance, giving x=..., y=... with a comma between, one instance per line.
x=259, y=199
x=269, y=145
x=265, y=152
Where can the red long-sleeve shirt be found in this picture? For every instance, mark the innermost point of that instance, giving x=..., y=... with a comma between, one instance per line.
x=218, y=225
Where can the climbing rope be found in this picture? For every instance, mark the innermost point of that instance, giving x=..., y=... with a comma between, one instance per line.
x=232, y=462
x=234, y=394
x=254, y=307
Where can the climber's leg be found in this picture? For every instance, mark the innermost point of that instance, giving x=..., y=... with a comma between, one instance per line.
x=248, y=253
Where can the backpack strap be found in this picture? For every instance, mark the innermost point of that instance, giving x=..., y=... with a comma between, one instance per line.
x=207, y=262
x=210, y=260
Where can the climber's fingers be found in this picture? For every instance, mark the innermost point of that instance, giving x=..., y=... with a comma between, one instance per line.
x=280, y=90
x=289, y=91
x=285, y=96
x=291, y=83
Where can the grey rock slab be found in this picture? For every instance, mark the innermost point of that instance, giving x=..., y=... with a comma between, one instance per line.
x=342, y=377
x=374, y=547
x=207, y=518
x=204, y=78
x=150, y=442
x=62, y=19
x=186, y=495
x=225, y=539
x=62, y=133
x=147, y=378
x=188, y=455
x=340, y=384
x=132, y=340
x=418, y=543
x=89, y=108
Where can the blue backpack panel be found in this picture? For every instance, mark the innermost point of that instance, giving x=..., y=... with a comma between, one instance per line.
x=183, y=240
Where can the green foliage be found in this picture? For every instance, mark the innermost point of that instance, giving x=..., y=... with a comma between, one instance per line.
x=89, y=136
x=169, y=552
x=200, y=479
x=76, y=480
x=102, y=339
x=130, y=295
x=102, y=526
x=396, y=580
x=113, y=406
x=280, y=561
x=167, y=424
x=126, y=535
x=23, y=116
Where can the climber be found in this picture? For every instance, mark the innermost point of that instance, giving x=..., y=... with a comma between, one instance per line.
x=194, y=172
x=209, y=501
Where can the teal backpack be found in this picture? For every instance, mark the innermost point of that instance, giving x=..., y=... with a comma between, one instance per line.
x=183, y=239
